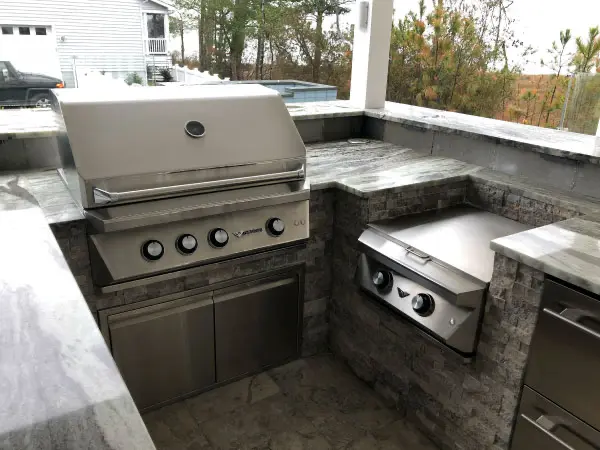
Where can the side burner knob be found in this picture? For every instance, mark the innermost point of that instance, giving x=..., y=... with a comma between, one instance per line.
x=423, y=304
x=382, y=279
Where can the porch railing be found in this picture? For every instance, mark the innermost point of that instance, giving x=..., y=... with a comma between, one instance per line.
x=155, y=46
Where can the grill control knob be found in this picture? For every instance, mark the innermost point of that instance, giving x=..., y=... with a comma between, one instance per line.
x=218, y=238
x=275, y=226
x=423, y=304
x=186, y=244
x=152, y=250
x=382, y=279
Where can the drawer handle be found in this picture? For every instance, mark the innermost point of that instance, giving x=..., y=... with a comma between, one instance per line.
x=573, y=316
x=547, y=425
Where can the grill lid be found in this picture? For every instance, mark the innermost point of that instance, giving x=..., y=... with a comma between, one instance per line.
x=152, y=129
x=134, y=144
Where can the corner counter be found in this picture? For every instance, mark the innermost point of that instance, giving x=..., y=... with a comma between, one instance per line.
x=49, y=329
x=60, y=385
x=568, y=250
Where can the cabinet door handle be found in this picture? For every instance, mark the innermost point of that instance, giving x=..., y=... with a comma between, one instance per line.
x=547, y=424
x=573, y=316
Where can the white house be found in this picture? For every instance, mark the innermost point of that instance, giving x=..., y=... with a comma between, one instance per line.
x=116, y=37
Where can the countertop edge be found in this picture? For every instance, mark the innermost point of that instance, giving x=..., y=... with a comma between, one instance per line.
x=548, y=269
x=516, y=143
x=302, y=111
x=43, y=318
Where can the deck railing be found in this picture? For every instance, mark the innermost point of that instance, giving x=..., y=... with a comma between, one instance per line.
x=156, y=46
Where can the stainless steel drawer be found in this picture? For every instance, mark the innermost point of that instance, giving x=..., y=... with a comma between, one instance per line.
x=564, y=358
x=542, y=425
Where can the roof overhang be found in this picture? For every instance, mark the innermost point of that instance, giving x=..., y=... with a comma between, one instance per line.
x=162, y=3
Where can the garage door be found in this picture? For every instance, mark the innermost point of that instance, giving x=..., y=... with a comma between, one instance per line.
x=30, y=48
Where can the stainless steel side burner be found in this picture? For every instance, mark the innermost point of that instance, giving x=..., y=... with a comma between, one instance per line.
x=434, y=268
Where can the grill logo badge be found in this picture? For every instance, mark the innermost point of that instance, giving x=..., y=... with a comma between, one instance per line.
x=239, y=234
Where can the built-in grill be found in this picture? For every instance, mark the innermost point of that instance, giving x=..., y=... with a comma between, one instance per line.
x=173, y=178
x=171, y=181
x=434, y=268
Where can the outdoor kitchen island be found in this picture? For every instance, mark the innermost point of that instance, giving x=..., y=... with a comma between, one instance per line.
x=459, y=405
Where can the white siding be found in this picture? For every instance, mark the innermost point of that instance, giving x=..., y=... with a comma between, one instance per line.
x=104, y=35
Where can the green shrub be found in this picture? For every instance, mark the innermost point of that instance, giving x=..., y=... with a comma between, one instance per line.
x=133, y=78
x=166, y=74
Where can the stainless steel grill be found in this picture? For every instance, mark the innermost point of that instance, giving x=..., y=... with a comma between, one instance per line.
x=174, y=178
x=434, y=268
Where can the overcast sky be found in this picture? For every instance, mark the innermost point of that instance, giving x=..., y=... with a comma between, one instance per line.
x=538, y=23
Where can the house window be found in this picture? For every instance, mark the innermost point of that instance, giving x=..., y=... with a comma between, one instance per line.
x=7, y=30
x=24, y=30
x=40, y=31
x=156, y=25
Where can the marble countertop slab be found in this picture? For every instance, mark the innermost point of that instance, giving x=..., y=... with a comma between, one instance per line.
x=60, y=385
x=564, y=144
x=31, y=123
x=370, y=166
x=408, y=175
x=362, y=168
x=44, y=189
x=323, y=110
x=328, y=162
x=568, y=250
x=28, y=123
x=35, y=123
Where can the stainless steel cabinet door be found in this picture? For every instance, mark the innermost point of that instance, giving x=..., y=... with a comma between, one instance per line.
x=542, y=425
x=564, y=357
x=257, y=324
x=165, y=350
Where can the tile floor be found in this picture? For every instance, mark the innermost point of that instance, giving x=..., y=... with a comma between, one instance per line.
x=313, y=403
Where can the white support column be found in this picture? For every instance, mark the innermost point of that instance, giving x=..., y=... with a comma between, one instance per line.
x=598, y=137
x=167, y=33
x=370, y=53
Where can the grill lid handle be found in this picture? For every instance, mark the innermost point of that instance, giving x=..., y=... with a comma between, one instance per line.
x=103, y=197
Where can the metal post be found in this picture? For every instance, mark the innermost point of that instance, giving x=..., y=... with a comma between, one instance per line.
x=74, y=66
x=154, y=70
x=563, y=114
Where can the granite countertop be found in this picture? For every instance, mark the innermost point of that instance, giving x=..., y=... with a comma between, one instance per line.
x=27, y=123
x=30, y=123
x=580, y=147
x=362, y=168
x=35, y=123
x=368, y=166
x=568, y=250
x=60, y=385
x=22, y=190
x=323, y=110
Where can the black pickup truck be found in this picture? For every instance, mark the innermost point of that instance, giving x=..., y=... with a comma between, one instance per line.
x=25, y=89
